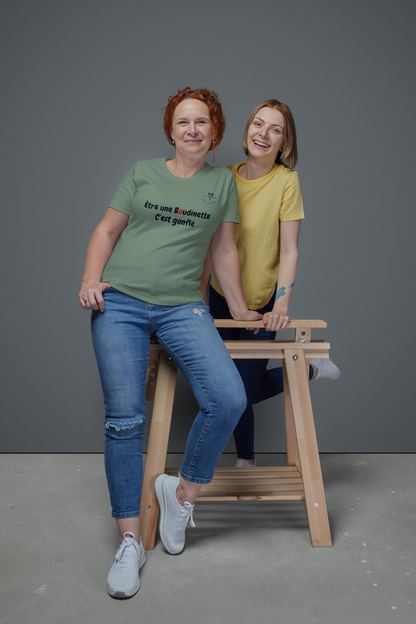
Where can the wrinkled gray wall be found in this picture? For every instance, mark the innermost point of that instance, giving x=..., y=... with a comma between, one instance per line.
x=84, y=84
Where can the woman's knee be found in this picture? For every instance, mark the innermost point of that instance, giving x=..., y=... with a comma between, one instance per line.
x=240, y=401
x=233, y=401
x=125, y=428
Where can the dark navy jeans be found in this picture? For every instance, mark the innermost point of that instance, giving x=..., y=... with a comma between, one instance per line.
x=260, y=383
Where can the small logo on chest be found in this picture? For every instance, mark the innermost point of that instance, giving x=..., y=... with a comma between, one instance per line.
x=209, y=199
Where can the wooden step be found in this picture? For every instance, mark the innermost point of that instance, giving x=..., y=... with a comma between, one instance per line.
x=258, y=483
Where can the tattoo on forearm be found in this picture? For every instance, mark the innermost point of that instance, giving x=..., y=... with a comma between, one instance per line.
x=282, y=291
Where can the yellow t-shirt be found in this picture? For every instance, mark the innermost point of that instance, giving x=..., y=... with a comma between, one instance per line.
x=264, y=202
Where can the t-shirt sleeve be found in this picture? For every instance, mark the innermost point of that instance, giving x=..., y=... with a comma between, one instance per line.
x=231, y=213
x=123, y=196
x=292, y=203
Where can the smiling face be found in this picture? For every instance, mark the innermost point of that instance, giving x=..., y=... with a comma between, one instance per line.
x=266, y=134
x=192, y=129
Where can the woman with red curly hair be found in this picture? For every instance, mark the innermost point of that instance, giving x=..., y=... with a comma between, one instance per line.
x=141, y=279
x=209, y=98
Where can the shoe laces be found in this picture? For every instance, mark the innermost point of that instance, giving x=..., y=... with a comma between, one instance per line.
x=127, y=555
x=186, y=513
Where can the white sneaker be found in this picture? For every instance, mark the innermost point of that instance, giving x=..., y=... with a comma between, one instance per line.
x=326, y=369
x=123, y=580
x=243, y=463
x=173, y=516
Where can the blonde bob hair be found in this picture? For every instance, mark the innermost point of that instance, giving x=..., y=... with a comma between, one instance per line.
x=288, y=156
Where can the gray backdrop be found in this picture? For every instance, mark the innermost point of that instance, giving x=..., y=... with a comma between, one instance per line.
x=83, y=86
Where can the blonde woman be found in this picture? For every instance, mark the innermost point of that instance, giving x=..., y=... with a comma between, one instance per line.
x=271, y=209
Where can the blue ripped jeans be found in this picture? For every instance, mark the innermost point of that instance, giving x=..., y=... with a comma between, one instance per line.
x=121, y=338
x=260, y=383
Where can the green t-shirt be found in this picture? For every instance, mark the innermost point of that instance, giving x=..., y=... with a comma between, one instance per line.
x=161, y=253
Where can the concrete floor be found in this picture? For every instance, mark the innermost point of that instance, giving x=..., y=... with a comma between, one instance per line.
x=243, y=563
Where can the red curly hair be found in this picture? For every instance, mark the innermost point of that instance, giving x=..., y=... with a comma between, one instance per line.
x=210, y=98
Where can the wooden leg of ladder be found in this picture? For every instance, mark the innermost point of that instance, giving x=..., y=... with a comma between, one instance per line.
x=291, y=442
x=308, y=448
x=157, y=448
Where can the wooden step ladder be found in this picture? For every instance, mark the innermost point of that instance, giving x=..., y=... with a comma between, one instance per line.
x=301, y=479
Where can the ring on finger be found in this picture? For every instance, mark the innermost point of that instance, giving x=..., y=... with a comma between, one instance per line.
x=86, y=302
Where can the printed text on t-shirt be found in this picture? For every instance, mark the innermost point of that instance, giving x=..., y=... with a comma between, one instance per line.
x=179, y=211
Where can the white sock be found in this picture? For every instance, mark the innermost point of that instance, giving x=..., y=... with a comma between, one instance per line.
x=326, y=369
